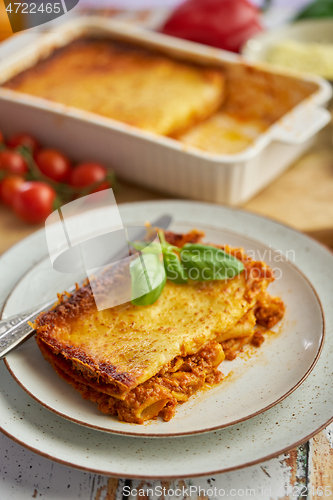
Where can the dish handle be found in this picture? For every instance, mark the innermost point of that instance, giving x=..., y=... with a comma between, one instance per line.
x=300, y=124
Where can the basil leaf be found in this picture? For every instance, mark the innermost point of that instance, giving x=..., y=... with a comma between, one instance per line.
x=148, y=279
x=147, y=247
x=166, y=247
x=206, y=263
x=138, y=245
x=173, y=267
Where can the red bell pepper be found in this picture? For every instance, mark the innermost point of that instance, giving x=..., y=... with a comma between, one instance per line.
x=226, y=24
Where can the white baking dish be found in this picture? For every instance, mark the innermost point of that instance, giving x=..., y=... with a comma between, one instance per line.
x=158, y=162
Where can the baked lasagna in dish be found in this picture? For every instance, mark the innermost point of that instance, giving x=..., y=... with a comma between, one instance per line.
x=213, y=106
x=139, y=362
x=126, y=82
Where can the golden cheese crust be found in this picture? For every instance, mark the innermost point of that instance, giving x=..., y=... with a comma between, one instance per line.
x=129, y=353
x=125, y=82
x=128, y=344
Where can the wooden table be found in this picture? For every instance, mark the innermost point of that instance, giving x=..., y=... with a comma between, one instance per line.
x=303, y=198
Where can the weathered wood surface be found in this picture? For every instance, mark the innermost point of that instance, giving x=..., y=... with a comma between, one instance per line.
x=321, y=464
x=24, y=475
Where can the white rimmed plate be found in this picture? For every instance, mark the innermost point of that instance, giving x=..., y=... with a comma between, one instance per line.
x=255, y=381
x=290, y=422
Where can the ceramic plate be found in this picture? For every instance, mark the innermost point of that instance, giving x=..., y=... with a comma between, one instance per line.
x=294, y=420
x=255, y=381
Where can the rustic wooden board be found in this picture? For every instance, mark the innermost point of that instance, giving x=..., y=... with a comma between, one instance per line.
x=321, y=465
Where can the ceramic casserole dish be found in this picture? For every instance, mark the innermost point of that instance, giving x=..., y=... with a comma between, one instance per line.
x=292, y=105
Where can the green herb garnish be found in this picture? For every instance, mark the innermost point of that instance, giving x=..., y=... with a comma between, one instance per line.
x=193, y=261
x=207, y=263
x=147, y=271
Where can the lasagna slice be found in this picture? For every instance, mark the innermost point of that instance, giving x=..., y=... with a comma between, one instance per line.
x=126, y=82
x=224, y=134
x=138, y=362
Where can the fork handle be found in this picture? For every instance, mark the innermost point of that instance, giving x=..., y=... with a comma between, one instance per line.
x=15, y=330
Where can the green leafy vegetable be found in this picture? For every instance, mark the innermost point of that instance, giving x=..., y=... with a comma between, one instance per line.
x=147, y=273
x=174, y=270
x=173, y=267
x=207, y=263
x=193, y=261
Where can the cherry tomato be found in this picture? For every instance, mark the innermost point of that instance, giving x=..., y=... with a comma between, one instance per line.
x=53, y=164
x=86, y=174
x=8, y=187
x=24, y=140
x=12, y=162
x=33, y=201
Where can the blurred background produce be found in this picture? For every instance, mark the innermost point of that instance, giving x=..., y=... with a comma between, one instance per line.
x=303, y=44
x=5, y=27
x=316, y=9
x=309, y=56
x=225, y=24
x=34, y=180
